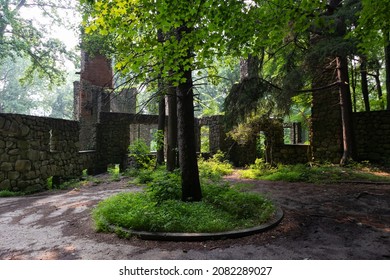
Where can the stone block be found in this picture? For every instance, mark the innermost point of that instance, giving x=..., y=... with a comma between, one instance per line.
x=23, y=165
x=22, y=144
x=4, y=157
x=31, y=175
x=2, y=144
x=10, y=144
x=13, y=175
x=33, y=155
x=5, y=185
x=24, y=130
x=6, y=166
x=13, y=152
x=2, y=122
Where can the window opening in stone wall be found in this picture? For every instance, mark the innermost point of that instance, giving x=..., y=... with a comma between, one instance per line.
x=260, y=145
x=52, y=141
x=153, y=142
x=204, y=139
x=287, y=135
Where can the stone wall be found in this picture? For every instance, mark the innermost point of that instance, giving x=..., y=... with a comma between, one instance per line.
x=372, y=136
x=114, y=135
x=292, y=154
x=326, y=129
x=32, y=149
x=217, y=134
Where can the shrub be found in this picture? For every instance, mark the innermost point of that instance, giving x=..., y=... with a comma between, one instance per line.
x=140, y=153
x=164, y=186
x=215, y=167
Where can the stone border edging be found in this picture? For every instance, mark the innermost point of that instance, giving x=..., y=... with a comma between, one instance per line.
x=178, y=236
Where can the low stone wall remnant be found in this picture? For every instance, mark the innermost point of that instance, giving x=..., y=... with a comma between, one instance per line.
x=33, y=149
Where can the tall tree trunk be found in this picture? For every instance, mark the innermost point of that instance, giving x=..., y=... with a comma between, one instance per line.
x=249, y=67
x=172, y=129
x=363, y=76
x=188, y=161
x=346, y=109
x=161, y=128
x=161, y=111
x=353, y=85
x=387, y=65
x=344, y=89
x=379, y=89
x=191, y=190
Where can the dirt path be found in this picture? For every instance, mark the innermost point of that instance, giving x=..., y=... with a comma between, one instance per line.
x=346, y=221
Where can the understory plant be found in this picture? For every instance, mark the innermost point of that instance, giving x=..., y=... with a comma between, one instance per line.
x=214, y=167
x=223, y=208
x=314, y=173
x=140, y=153
x=159, y=207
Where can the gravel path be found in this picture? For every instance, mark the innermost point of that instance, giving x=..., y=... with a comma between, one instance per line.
x=346, y=221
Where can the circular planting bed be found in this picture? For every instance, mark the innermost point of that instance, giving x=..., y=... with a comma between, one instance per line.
x=199, y=236
x=158, y=212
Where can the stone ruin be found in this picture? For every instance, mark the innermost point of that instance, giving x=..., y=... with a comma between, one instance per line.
x=33, y=149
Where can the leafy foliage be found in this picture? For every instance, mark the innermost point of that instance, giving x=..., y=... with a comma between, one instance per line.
x=36, y=98
x=320, y=174
x=140, y=152
x=373, y=25
x=159, y=208
x=7, y=193
x=21, y=36
x=215, y=167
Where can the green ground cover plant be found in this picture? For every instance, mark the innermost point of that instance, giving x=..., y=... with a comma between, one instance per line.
x=315, y=173
x=215, y=167
x=159, y=209
x=7, y=193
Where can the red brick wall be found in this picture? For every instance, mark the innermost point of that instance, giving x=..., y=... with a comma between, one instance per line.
x=97, y=70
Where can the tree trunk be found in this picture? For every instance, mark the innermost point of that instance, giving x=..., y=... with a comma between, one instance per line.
x=379, y=89
x=191, y=190
x=249, y=67
x=188, y=161
x=353, y=85
x=161, y=111
x=172, y=129
x=346, y=109
x=387, y=65
x=363, y=76
x=161, y=128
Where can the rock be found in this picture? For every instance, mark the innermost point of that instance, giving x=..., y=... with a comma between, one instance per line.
x=13, y=175
x=6, y=166
x=4, y=185
x=23, y=165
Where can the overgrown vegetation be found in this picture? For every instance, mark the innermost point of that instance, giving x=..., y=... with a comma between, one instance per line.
x=315, y=173
x=215, y=167
x=140, y=153
x=159, y=206
x=7, y=193
x=114, y=172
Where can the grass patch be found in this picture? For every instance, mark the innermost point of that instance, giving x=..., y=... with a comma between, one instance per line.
x=159, y=208
x=7, y=193
x=326, y=173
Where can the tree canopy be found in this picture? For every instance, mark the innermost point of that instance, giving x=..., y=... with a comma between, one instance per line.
x=294, y=42
x=22, y=34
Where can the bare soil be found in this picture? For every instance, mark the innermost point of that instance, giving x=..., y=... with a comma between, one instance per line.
x=344, y=221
